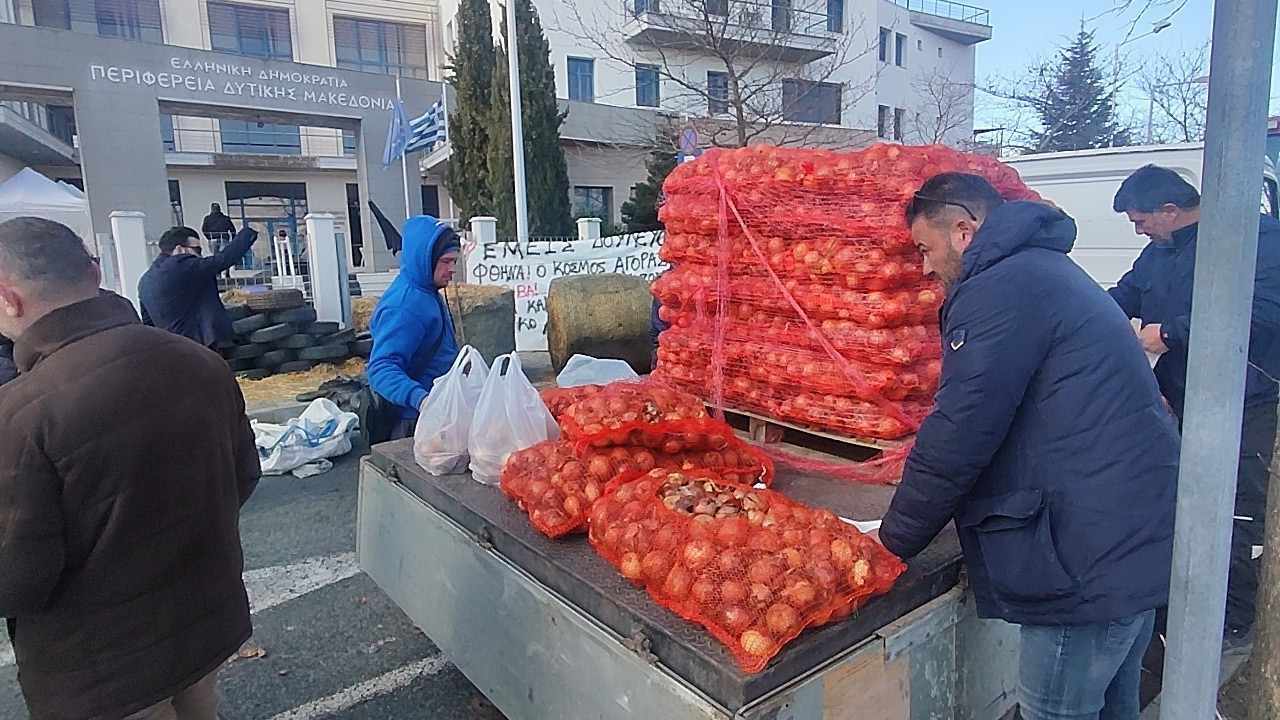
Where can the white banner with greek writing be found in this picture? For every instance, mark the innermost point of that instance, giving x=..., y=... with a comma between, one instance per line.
x=529, y=271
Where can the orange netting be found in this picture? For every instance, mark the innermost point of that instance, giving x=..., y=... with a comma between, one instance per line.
x=752, y=566
x=796, y=292
x=558, y=399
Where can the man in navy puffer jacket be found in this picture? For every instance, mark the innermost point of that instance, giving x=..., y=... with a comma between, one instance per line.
x=1049, y=446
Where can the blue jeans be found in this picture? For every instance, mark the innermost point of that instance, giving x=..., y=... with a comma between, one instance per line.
x=1083, y=672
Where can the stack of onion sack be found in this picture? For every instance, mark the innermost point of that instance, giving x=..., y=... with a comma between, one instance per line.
x=828, y=319
x=559, y=399
x=752, y=566
x=556, y=482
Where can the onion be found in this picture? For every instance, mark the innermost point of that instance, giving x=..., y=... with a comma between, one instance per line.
x=624, y=493
x=794, y=537
x=781, y=619
x=703, y=527
x=678, y=582
x=800, y=593
x=538, y=488
x=713, y=459
x=735, y=618
x=612, y=536
x=644, y=460
x=600, y=514
x=573, y=506
x=765, y=540
x=703, y=591
x=667, y=538
x=633, y=510
x=631, y=566
x=761, y=595
x=861, y=571
x=841, y=554
x=698, y=554
x=671, y=447
x=730, y=562
x=824, y=574
x=573, y=471
x=732, y=531
x=656, y=564
x=765, y=570
x=794, y=558
x=732, y=591
x=592, y=491
x=756, y=643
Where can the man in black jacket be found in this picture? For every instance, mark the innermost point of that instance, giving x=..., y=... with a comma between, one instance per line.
x=179, y=292
x=1048, y=445
x=1157, y=291
x=216, y=226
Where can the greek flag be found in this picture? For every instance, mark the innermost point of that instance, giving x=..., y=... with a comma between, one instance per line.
x=406, y=136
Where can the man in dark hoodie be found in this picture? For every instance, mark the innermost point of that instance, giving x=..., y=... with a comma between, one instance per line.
x=179, y=292
x=1049, y=446
x=217, y=226
x=413, y=342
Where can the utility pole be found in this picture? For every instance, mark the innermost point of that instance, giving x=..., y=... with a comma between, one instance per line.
x=1226, y=255
x=517, y=127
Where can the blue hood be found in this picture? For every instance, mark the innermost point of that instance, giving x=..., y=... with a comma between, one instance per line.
x=1014, y=226
x=418, y=258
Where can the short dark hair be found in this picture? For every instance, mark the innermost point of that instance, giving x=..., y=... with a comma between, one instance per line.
x=175, y=236
x=47, y=254
x=971, y=193
x=1152, y=187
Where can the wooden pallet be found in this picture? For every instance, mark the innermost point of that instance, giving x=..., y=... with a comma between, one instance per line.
x=758, y=425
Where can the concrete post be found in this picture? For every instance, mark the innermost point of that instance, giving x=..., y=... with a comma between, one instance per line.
x=129, y=233
x=330, y=286
x=484, y=229
x=589, y=228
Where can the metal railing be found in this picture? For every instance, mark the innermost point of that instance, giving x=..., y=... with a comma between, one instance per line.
x=778, y=16
x=304, y=142
x=949, y=10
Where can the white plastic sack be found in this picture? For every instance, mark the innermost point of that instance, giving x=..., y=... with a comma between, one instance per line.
x=586, y=370
x=322, y=431
x=509, y=416
x=444, y=426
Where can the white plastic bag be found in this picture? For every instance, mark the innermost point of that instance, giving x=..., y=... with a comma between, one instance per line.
x=586, y=370
x=509, y=416
x=444, y=426
x=322, y=431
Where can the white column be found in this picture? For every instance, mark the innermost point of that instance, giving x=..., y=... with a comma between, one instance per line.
x=129, y=234
x=484, y=229
x=589, y=228
x=330, y=286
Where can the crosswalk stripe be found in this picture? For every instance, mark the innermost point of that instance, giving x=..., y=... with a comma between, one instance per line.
x=356, y=694
x=270, y=586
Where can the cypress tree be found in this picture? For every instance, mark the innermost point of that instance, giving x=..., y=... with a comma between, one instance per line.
x=640, y=213
x=471, y=77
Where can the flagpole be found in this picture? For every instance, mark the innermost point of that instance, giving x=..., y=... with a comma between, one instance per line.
x=448, y=137
x=404, y=164
x=517, y=127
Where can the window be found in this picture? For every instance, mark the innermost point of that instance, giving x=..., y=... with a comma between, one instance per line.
x=939, y=51
x=354, y=226
x=920, y=45
x=61, y=120
x=166, y=133
x=885, y=37
x=175, y=202
x=648, y=92
x=596, y=202
x=377, y=46
x=646, y=6
x=882, y=121
x=127, y=19
x=900, y=51
x=582, y=85
x=813, y=102
x=718, y=7
x=717, y=93
x=835, y=16
x=431, y=200
x=781, y=15
x=254, y=31
x=348, y=142
x=899, y=123
x=246, y=136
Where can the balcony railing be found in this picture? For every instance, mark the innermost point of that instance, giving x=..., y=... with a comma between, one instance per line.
x=749, y=16
x=949, y=10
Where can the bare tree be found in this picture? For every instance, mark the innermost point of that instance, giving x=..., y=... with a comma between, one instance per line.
x=737, y=71
x=945, y=107
x=1178, y=94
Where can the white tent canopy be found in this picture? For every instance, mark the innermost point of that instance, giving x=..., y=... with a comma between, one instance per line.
x=32, y=194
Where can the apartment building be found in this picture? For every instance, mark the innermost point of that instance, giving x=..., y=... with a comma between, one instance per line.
x=268, y=174
x=824, y=72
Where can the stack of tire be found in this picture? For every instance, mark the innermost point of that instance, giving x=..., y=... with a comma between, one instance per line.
x=276, y=332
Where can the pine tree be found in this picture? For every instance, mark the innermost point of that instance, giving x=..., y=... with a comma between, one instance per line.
x=640, y=213
x=471, y=75
x=546, y=171
x=1077, y=110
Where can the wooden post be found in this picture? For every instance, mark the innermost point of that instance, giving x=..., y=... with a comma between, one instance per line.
x=1264, y=682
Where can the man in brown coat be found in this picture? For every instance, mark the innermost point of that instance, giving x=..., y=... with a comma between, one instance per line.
x=124, y=461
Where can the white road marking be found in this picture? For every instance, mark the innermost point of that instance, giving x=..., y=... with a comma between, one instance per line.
x=268, y=587
x=350, y=697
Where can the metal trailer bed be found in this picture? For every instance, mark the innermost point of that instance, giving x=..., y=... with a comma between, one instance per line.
x=547, y=629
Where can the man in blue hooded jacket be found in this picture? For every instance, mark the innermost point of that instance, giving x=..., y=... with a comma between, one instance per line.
x=1048, y=445
x=413, y=341
x=1157, y=291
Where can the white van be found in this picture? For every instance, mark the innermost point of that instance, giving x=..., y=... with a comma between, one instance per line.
x=1084, y=183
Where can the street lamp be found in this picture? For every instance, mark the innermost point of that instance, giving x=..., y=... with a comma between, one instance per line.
x=1151, y=101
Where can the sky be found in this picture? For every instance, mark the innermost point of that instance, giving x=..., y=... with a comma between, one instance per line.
x=1024, y=30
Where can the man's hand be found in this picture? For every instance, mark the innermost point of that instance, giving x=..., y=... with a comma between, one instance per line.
x=1151, y=340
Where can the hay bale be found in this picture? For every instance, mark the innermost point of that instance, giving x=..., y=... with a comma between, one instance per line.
x=484, y=317
x=604, y=316
x=362, y=312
